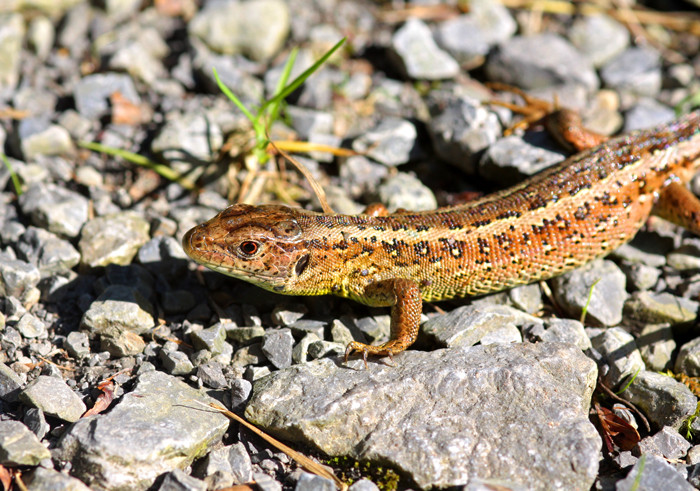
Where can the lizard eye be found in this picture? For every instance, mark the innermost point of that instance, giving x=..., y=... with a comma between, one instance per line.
x=249, y=248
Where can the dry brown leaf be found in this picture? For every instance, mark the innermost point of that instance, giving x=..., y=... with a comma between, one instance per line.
x=5, y=478
x=124, y=111
x=616, y=430
x=103, y=400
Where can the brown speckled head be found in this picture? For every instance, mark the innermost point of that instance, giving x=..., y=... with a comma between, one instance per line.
x=258, y=244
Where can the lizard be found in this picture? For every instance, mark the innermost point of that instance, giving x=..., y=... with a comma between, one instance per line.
x=557, y=220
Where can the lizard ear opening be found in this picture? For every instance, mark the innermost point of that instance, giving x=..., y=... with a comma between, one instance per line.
x=302, y=263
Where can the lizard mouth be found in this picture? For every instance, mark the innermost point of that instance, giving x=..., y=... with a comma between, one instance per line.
x=194, y=243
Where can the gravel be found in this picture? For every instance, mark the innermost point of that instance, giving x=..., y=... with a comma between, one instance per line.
x=94, y=284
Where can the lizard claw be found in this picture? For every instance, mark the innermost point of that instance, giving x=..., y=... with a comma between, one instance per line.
x=360, y=347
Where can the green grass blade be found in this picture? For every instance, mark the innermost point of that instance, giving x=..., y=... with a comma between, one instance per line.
x=631, y=380
x=13, y=175
x=134, y=158
x=588, y=301
x=302, y=78
x=233, y=98
x=274, y=108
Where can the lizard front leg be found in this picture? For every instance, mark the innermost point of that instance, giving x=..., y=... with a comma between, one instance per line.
x=404, y=297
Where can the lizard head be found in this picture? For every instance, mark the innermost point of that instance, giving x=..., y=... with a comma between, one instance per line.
x=258, y=244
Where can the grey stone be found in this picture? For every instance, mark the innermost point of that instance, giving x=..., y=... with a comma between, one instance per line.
x=35, y=421
x=693, y=457
x=266, y=482
x=31, y=327
x=651, y=252
x=12, y=31
x=652, y=472
x=660, y=308
x=55, y=209
x=466, y=326
x=391, y=142
x=462, y=130
x=124, y=343
x=53, y=396
x=625, y=459
x=177, y=480
x=469, y=37
x=288, y=314
x=667, y=443
x=10, y=383
x=212, y=376
x=19, y=446
x=664, y=401
x=685, y=258
x=240, y=391
x=112, y=239
x=79, y=127
x=363, y=485
x=312, y=482
x=47, y=251
x=255, y=373
x=620, y=352
x=694, y=475
x=540, y=60
x=645, y=113
x=212, y=338
x=17, y=278
x=244, y=335
x=656, y=345
x=508, y=333
x=307, y=121
x=176, y=362
x=42, y=479
x=636, y=71
x=599, y=38
x=419, y=55
x=139, y=52
x=512, y=159
x=688, y=359
x=256, y=29
x=450, y=401
x=320, y=349
x=342, y=333
x=300, y=352
x=233, y=71
x=53, y=140
x=92, y=93
x=603, y=281
x=215, y=469
x=119, y=308
x=187, y=137
x=558, y=331
x=277, y=347
x=163, y=424
x=248, y=355
x=361, y=175
x=405, y=191
x=241, y=465
x=309, y=326
x=640, y=276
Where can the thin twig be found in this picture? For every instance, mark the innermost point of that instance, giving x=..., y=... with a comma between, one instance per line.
x=300, y=458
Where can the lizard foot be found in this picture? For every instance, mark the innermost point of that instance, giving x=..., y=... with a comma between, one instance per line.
x=386, y=349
